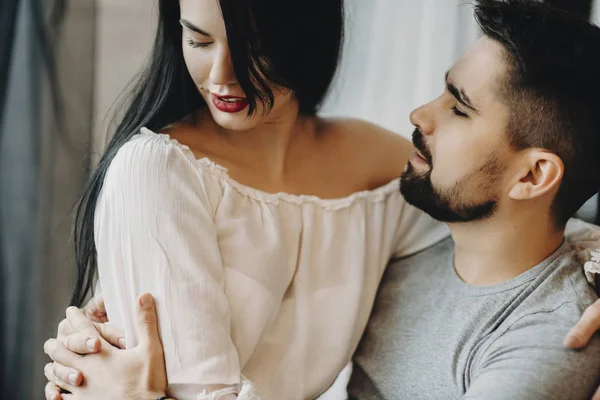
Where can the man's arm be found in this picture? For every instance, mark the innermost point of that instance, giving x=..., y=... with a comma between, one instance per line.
x=529, y=361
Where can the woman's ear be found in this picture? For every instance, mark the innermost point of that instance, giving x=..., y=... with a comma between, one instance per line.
x=541, y=174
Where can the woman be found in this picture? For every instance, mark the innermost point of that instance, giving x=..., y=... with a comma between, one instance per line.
x=261, y=229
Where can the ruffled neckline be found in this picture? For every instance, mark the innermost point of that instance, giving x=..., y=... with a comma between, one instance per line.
x=206, y=164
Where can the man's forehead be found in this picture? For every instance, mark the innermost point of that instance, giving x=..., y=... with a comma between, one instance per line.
x=479, y=68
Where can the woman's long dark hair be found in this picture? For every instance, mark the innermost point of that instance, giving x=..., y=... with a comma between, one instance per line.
x=293, y=44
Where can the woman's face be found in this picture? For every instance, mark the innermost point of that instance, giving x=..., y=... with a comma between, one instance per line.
x=206, y=54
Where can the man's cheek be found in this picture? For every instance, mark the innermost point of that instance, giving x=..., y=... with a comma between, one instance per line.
x=444, y=174
x=437, y=178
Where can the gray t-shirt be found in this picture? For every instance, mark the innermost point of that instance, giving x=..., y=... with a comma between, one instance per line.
x=432, y=336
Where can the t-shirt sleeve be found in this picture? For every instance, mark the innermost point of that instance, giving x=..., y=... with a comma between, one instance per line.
x=155, y=233
x=529, y=362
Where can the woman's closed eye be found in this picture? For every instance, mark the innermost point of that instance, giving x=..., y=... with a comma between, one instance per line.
x=194, y=44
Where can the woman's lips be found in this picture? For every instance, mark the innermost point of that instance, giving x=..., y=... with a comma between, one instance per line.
x=229, y=104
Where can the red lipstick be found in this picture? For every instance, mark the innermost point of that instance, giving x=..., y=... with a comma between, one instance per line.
x=229, y=104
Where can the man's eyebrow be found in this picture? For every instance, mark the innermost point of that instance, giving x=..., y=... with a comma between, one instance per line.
x=193, y=27
x=460, y=95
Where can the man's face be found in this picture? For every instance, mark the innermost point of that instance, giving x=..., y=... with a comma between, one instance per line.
x=458, y=175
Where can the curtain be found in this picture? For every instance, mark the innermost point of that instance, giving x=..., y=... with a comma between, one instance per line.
x=596, y=12
x=8, y=12
x=45, y=133
x=395, y=57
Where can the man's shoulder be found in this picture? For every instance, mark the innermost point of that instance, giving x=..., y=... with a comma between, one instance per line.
x=560, y=286
x=544, y=310
x=529, y=340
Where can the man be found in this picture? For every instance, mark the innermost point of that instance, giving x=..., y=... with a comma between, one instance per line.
x=506, y=155
x=493, y=328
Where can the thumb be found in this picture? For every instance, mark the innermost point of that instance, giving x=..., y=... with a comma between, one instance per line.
x=147, y=320
x=582, y=332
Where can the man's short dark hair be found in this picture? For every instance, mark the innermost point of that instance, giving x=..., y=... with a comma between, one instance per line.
x=552, y=89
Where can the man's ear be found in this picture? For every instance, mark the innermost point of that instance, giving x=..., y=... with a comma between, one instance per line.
x=542, y=173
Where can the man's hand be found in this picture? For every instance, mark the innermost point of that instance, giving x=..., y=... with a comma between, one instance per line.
x=138, y=373
x=582, y=332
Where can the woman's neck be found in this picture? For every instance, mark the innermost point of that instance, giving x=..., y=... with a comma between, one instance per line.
x=268, y=147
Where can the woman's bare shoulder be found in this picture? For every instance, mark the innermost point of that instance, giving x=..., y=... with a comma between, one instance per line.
x=384, y=151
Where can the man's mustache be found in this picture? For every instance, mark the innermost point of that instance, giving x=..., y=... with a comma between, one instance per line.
x=419, y=142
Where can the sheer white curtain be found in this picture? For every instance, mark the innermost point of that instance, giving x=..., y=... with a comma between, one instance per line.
x=596, y=11
x=395, y=57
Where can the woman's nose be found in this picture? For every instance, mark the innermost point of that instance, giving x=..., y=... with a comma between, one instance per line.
x=222, y=73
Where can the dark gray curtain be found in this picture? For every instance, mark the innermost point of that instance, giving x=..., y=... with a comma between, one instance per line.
x=8, y=13
x=45, y=131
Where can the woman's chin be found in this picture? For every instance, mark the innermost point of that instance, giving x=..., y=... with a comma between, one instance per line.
x=233, y=121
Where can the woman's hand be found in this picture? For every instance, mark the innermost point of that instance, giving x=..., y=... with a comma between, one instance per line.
x=107, y=371
x=95, y=309
x=96, y=312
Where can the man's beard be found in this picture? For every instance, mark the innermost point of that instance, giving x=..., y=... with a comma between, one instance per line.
x=449, y=205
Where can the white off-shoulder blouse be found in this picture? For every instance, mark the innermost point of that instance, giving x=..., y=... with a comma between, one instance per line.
x=272, y=288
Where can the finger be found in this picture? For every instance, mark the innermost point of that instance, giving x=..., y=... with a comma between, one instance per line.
x=79, y=321
x=147, y=320
x=64, y=329
x=597, y=395
x=52, y=392
x=112, y=334
x=66, y=374
x=589, y=323
x=59, y=353
x=95, y=309
x=82, y=343
x=49, y=372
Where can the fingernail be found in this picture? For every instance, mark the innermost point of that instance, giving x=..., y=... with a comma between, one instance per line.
x=146, y=301
x=55, y=396
x=122, y=343
x=72, y=378
x=91, y=344
x=572, y=341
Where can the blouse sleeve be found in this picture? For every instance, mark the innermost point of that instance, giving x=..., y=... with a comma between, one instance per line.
x=154, y=233
x=585, y=241
x=416, y=231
